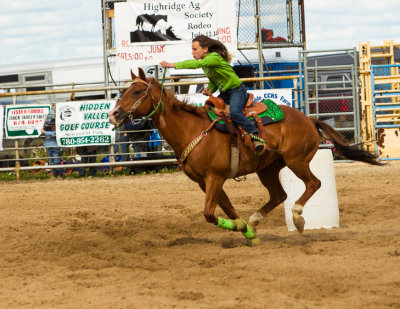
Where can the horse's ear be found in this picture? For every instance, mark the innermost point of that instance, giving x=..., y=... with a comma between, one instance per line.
x=141, y=74
x=133, y=75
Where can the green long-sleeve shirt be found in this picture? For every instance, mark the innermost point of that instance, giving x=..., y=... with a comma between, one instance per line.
x=217, y=70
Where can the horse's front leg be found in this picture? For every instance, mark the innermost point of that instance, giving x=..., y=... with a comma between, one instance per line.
x=213, y=187
x=215, y=194
x=224, y=203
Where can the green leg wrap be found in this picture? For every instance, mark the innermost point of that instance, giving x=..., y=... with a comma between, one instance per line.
x=249, y=234
x=236, y=225
x=225, y=224
x=239, y=225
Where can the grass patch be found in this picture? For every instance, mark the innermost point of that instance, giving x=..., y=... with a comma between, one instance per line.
x=45, y=175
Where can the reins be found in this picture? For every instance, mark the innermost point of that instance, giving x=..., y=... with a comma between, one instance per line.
x=160, y=102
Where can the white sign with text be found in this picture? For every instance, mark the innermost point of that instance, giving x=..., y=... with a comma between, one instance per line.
x=282, y=96
x=22, y=121
x=84, y=123
x=148, y=32
x=1, y=127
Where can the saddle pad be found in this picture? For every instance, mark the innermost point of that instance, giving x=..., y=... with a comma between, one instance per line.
x=273, y=114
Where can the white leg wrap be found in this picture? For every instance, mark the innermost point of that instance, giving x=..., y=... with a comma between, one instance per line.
x=297, y=209
x=255, y=219
x=298, y=220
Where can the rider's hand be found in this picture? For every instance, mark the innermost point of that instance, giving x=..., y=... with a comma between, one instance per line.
x=166, y=64
x=206, y=92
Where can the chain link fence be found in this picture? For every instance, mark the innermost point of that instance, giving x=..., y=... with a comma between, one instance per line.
x=281, y=23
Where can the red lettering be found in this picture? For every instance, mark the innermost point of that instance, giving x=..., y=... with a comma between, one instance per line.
x=225, y=39
x=226, y=30
x=157, y=49
x=129, y=56
x=125, y=43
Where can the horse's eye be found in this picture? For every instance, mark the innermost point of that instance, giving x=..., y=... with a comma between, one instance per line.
x=137, y=92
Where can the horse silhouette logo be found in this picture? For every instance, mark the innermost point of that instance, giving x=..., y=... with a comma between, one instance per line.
x=164, y=32
x=151, y=19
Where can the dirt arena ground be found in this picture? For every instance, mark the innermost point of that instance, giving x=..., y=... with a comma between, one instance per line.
x=142, y=242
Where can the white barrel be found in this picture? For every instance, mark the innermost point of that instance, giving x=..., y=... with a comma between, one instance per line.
x=321, y=210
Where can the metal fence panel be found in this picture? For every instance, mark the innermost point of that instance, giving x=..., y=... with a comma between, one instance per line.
x=330, y=91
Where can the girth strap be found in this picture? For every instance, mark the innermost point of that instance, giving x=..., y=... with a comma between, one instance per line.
x=235, y=150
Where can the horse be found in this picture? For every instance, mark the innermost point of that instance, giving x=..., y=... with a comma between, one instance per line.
x=151, y=19
x=292, y=142
x=170, y=33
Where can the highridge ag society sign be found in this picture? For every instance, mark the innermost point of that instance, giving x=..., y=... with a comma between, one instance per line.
x=84, y=123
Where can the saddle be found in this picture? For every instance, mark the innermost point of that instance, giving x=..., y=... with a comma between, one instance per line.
x=251, y=107
x=261, y=113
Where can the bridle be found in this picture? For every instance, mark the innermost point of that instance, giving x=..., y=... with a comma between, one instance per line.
x=136, y=105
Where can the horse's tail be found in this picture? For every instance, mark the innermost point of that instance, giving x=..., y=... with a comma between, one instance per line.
x=352, y=152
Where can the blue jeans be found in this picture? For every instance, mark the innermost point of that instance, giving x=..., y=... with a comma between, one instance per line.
x=88, y=154
x=237, y=98
x=55, y=159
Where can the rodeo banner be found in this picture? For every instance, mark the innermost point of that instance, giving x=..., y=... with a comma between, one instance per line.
x=23, y=121
x=148, y=31
x=84, y=123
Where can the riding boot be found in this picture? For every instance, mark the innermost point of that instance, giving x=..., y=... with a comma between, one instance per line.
x=258, y=142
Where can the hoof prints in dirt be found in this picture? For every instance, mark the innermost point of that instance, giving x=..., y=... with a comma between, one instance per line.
x=188, y=240
x=189, y=295
x=230, y=242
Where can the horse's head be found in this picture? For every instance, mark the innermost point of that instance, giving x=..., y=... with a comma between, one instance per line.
x=135, y=102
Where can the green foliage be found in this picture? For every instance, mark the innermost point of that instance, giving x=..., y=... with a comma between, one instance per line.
x=44, y=175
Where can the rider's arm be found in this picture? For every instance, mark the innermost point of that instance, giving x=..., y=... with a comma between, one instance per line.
x=212, y=86
x=211, y=60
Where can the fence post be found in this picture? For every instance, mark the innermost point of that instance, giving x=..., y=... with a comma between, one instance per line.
x=17, y=163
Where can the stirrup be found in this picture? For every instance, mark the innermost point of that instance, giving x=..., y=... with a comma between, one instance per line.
x=258, y=142
x=255, y=137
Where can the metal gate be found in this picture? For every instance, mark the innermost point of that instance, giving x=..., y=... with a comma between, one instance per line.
x=329, y=89
x=385, y=84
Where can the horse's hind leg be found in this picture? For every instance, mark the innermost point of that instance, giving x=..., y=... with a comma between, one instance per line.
x=269, y=177
x=302, y=170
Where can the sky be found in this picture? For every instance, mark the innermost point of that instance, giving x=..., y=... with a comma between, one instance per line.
x=46, y=30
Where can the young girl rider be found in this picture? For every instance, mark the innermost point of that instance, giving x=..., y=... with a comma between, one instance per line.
x=213, y=57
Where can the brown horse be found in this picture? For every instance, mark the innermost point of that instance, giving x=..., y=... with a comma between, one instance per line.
x=292, y=142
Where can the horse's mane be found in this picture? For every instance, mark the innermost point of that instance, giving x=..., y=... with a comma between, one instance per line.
x=182, y=105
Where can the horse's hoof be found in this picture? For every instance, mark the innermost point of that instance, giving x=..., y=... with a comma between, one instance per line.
x=299, y=223
x=254, y=220
x=252, y=242
x=239, y=225
x=298, y=220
